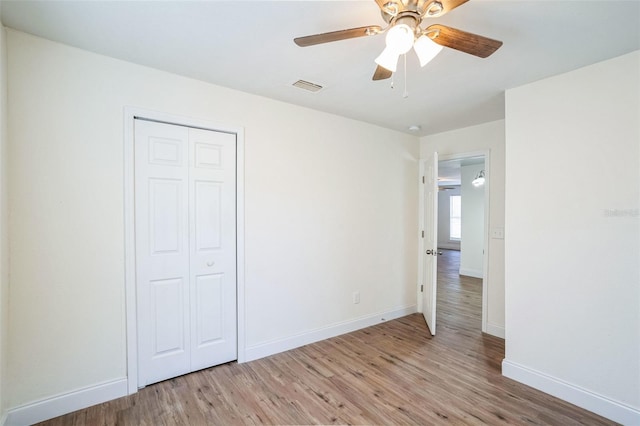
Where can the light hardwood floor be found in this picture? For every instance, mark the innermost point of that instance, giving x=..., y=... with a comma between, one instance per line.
x=392, y=373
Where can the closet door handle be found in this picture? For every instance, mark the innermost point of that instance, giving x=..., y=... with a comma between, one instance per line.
x=210, y=263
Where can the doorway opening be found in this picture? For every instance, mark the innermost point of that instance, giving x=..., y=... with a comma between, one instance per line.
x=461, y=210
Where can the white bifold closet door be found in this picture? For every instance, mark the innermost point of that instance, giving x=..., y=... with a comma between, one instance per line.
x=185, y=226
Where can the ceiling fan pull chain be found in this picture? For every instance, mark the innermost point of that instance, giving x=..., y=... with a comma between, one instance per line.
x=392, y=78
x=406, y=92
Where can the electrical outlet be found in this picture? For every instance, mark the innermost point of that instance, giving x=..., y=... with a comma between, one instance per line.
x=356, y=297
x=497, y=233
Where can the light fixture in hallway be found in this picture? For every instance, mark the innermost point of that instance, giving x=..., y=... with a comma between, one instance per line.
x=479, y=179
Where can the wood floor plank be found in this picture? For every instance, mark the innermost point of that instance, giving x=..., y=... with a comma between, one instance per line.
x=391, y=373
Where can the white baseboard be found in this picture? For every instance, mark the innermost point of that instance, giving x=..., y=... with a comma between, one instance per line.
x=449, y=246
x=475, y=273
x=66, y=403
x=573, y=394
x=495, y=330
x=270, y=348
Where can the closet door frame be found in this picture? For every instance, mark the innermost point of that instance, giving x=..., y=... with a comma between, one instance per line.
x=130, y=114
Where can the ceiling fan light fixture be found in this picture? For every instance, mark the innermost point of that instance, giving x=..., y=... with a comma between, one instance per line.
x=388, y=59
x=426, y=49
x=400, y=38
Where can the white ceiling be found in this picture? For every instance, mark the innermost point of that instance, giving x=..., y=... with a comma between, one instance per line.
x=247, y=45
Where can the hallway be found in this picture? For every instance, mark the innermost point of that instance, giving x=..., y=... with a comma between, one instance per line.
x=459, y=297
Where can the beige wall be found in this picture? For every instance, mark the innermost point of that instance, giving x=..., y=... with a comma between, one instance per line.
x=488, y=136
x=473, y=224
x=330, y=209
x=572, y=275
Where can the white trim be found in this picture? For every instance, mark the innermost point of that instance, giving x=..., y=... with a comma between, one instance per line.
x=129, y=228
x=276, y=346
x=487, y=240
x=475, y=273
x=421, y=230
x=240, y=243
x=613, y=410
x=129, y=253
x=495, y=330
x=66, y=403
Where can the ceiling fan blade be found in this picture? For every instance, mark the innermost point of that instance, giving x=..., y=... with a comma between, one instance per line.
x=337, y=35
x=449, y=5
x=428, y=8
x=381, y=3
x=463, y=41
x=381, y=73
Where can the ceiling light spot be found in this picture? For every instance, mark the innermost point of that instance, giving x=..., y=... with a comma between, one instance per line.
x=415, y=128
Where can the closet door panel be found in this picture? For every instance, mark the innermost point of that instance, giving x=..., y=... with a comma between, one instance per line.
x=162, y=251
x=213, y=250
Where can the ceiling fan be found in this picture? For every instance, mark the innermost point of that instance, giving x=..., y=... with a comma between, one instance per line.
x=404, y=31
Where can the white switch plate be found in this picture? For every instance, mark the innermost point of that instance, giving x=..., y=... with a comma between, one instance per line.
x=356, y=297
x=497, y=233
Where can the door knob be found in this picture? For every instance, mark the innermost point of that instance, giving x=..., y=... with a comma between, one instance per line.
x=210, y=263
x=430, y=252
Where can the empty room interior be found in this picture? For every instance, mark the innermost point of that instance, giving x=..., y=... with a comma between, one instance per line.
x=320, y=212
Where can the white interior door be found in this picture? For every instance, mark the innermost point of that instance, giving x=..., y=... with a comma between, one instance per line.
x=162, y=250
x=429, y=256
x=212, y=198
x=185, y=249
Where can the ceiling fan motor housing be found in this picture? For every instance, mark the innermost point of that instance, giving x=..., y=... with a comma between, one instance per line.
x=419, y=8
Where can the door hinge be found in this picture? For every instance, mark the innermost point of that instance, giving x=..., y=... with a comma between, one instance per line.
x=422, y=234
x=421, y=288
x=422, y=179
